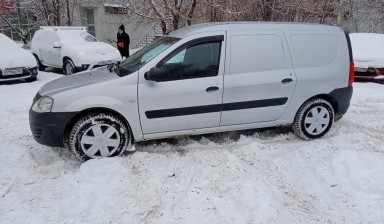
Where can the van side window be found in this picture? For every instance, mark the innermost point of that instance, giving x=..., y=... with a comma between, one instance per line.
x=197, y=61
x=256, y=53
x=315, y=50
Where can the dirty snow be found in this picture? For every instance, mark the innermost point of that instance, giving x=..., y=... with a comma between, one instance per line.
x=265, y=176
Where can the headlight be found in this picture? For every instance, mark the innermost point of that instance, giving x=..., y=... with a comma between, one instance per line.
x=43, y=105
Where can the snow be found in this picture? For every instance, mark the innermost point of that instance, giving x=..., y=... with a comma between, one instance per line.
x=264, y=176
x=368, y=49
x=13, y=55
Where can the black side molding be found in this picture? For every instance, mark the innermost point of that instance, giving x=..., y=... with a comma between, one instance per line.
x=174, y=112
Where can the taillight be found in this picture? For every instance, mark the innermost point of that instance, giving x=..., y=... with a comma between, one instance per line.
x=351, y=73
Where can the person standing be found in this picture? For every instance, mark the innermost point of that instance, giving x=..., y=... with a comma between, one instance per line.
x=123, y=42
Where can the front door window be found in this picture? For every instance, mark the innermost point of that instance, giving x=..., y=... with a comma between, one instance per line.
x=197, y=61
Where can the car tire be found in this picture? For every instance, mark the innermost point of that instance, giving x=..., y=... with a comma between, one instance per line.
x=99, y=135
x=314, y=119
x=31, y=79
x=39, y=64
x=68, y=67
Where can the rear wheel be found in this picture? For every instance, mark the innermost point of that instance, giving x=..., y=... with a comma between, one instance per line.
x=68, y=67
x=314, y=119
x=98, y=136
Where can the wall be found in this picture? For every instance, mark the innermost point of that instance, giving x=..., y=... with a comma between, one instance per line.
x=106, y=24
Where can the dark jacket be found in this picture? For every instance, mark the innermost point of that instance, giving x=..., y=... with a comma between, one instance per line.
x=123, y=44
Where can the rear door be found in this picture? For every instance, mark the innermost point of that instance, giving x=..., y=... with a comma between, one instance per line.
x=191, y=95
x=259, y=81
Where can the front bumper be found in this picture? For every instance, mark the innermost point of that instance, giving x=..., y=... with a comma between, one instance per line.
x=49, y=128
x=96, y=64
x=27, y=73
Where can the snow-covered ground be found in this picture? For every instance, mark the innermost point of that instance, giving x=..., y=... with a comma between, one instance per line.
x=265, y=176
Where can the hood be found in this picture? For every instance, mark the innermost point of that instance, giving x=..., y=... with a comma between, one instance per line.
x=16, y=57
x=92, y=48
x=77, y=80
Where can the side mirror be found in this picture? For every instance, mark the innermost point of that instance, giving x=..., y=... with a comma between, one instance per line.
x=56, y=45
x=155, y=74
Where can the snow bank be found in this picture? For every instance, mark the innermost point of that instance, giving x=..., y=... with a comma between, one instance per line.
x=265, y=176
x=368, y=49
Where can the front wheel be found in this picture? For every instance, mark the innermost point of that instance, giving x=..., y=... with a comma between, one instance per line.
x=68, y=67
x=314, y=119
x=99, y=135
x=40, y=64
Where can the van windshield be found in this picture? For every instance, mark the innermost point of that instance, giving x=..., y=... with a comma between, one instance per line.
x=142, y=57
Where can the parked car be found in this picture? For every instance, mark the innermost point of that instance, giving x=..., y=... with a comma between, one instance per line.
x=368, y=53
x=202, y=79
x=371, y=75
x=15, y=62
x=71, y=48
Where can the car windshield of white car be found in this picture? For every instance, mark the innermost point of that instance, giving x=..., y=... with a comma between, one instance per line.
x=142, y=57
x=88, y=37
x=77, y=37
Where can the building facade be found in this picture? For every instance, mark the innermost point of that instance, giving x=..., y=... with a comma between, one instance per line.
x=102, y=20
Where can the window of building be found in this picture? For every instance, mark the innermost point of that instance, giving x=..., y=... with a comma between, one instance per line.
x=88, y=20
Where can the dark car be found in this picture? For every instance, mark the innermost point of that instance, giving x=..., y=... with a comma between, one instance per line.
x=371, y=75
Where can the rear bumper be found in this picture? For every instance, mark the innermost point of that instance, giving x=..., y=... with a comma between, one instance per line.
x=343, y=98
x=49, y=128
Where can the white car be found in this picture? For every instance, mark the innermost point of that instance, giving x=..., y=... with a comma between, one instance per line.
x=71, y=48
x=202, y=79
x=15, y=62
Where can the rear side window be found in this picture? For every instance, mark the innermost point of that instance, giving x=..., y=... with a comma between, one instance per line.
x=315, y=50
x=256, y=53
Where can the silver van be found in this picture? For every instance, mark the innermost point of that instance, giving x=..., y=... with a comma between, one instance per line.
x=202, y=79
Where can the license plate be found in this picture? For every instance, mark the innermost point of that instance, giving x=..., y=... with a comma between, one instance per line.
x=12, y=71
x=357, y=69
x=104, y=62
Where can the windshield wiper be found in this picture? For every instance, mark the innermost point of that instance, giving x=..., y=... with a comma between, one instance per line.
x=114, y=68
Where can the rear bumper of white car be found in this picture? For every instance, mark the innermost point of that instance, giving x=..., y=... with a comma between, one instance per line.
x=10, y=74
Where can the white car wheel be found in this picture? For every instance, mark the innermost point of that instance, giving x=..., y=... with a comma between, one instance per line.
x=314, y=119
x=69, y=68
x=99, y=136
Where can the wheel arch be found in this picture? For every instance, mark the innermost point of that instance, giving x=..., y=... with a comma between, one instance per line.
x=66, y=58
x=326, y=97
x=88, y=111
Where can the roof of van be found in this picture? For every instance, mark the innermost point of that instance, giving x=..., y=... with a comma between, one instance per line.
x=233, y=26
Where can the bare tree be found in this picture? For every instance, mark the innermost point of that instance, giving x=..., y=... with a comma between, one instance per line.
x=169, y=13
x=16, y=15
x=25, y=16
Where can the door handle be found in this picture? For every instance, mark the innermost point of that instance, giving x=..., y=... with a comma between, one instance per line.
x=286, y=81
x=212, y=89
